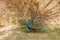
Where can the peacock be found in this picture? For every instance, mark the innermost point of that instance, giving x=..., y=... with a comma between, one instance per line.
x=29, y=26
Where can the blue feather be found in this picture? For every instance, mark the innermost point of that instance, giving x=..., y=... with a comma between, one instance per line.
x=29, y=25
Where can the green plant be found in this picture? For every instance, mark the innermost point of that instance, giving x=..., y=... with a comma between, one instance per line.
x=44, y=29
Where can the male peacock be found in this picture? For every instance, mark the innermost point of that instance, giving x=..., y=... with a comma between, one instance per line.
x=30, y=27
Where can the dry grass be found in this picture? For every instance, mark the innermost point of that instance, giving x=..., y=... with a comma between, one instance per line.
x=25, y=34
x=38, y=36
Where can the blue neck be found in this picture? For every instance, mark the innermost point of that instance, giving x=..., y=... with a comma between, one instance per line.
x=28, y=21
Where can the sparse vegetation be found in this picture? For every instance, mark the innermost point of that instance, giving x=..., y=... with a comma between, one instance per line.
x=41, y=29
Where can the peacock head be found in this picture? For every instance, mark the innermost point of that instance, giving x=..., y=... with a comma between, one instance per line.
x=28, y=21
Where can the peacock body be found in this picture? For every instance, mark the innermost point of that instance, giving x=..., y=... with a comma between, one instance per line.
x=29, y=25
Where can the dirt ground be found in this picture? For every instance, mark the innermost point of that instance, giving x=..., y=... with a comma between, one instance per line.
x=20, y=35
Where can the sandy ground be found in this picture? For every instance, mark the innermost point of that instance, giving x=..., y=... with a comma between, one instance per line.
x=21, y=35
